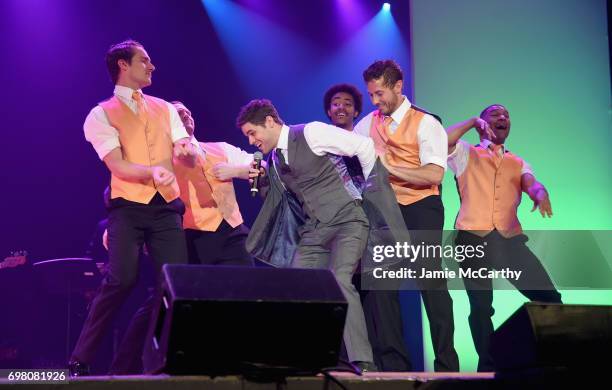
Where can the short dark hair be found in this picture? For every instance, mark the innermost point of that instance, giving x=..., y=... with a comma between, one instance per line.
x=347, y=88
x=483, y=112
x=120, y=51
x=389, y=70
x=256, y=111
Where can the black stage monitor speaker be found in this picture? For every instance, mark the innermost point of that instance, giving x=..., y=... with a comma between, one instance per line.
x=540, y=335
x=215, y=320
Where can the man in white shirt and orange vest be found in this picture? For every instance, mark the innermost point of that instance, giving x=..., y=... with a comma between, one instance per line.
x=138, y=137
x=412, y=145
x=490, y=181
x=213, y=224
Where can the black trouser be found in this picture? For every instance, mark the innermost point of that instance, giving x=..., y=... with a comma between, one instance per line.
x=425, y=220
x=383, y=318
x=500, y=253
x=225, y=246
x=159, y=226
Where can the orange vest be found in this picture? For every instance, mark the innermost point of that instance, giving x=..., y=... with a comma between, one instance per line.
x=490, y=192
x=208, y=201
x=145, y=143
x=402, y=150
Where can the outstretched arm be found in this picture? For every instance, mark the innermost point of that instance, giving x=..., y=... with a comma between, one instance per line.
x=238, y=165
x=227, y=171
x=538, y=194
x=323, y=138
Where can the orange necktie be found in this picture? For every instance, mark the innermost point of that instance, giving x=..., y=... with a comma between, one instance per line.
x=497, y=153
x=387, y=122
x=142, y=109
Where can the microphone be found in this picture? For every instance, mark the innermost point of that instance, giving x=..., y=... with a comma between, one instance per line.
x=257, y=156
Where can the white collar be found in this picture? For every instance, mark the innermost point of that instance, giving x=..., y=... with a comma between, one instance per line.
x=485, y=143
x=125, y=92
x=401, y=111
x=283, y=138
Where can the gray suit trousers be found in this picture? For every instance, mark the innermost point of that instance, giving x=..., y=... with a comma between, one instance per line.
x=338, y=245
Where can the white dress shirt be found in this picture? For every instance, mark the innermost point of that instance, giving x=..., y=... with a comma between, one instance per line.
x=431, y=136
x=459, y=158
x=323, y=138
x=105, y=137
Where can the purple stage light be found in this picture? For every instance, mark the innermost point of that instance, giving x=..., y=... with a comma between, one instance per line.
x=351, y=16
x=386, y=7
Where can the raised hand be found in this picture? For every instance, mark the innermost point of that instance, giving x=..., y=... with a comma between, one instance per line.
x=480, y=124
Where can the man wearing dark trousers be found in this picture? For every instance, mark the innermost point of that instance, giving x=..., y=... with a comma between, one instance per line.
x=334, y=235
x=343, y=103
x=138, y=137
x=213, y=224
x=490, y=180
x=411, y=143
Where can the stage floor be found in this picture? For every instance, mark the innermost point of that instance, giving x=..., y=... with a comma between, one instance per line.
x=373, y=381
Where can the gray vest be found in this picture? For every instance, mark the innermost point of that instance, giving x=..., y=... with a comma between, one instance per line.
x=315, y=180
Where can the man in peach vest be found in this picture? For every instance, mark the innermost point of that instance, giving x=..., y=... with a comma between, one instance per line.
x=412, y=145
x=213, y=224
x=137, y=136
x=490, y=181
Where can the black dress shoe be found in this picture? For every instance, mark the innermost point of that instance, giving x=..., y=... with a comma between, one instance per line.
x=366, y=366
x=78, y=369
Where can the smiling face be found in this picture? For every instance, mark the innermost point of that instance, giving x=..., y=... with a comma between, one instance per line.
x=342, y=110
x=264, y=137
x=137, y=73
x=386, y=98
x=498, y=118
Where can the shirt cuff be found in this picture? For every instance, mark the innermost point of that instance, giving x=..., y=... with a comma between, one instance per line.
x=434, y=160
x=106, y=147
x=454, y=153
x=526, y=169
